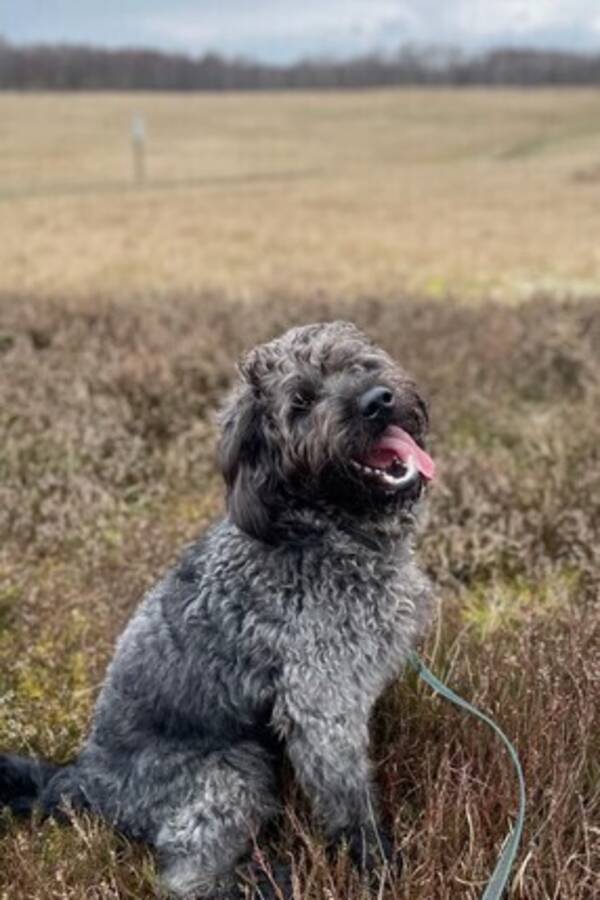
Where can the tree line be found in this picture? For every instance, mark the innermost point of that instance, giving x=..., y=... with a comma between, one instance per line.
x=73, y=68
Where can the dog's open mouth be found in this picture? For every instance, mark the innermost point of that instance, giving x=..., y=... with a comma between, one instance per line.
x=395, y=460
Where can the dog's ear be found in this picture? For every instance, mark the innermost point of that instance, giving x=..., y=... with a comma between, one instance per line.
x=242, y=454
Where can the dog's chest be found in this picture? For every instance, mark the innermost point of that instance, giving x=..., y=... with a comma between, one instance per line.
x=357, y=618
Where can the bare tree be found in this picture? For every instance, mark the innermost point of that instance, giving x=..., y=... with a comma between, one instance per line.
x=68, y=67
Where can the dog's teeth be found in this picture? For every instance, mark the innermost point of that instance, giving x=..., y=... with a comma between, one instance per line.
x=385, y=477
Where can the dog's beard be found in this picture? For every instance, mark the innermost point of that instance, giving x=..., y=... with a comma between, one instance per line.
x=341, y=486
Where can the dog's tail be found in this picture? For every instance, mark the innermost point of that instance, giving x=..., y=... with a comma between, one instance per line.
x=22, y=782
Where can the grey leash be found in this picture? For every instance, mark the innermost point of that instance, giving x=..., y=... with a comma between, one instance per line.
x=497, y=883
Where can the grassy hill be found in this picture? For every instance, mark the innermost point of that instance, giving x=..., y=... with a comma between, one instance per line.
x=471, y=193
x=123, y=307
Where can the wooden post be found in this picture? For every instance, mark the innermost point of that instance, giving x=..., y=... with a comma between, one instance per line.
x=138, y=145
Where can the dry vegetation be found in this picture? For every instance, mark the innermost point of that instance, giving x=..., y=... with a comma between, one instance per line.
x=122, y=311
x=473, y=192
x=106, y=468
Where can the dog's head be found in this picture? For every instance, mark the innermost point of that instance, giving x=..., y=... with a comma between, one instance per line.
x=321, y=416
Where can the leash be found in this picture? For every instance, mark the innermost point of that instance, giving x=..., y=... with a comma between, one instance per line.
x=500, y=875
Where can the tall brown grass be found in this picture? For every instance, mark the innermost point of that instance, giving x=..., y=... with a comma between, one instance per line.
x=106, y=467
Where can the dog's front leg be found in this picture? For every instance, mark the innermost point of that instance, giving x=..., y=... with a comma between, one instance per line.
x=327, y=744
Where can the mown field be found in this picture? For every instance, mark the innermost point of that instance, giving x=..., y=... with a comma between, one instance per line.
x=471, y=193
x=106, y=467
x=122, y=310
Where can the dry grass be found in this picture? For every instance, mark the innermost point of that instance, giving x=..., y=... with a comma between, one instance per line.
x=468, y=192
x=106, y=468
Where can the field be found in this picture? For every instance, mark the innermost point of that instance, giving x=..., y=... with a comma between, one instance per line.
x=122, y=310
x=468, y=193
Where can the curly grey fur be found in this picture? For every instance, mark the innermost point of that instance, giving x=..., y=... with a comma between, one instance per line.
x=277, y=631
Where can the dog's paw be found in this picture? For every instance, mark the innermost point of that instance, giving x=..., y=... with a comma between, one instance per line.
x=277, y=884
x=370, y=850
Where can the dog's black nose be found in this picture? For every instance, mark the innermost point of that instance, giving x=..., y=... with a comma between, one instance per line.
x=376, y=403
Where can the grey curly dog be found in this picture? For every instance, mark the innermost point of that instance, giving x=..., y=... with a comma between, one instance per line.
x=275, y=633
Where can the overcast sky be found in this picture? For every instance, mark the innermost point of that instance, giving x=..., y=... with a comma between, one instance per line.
x=282, y=30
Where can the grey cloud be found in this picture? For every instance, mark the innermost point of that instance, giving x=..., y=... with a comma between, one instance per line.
x=284, y=29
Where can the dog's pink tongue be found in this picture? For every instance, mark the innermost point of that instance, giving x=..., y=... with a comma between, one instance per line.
x=395, y=443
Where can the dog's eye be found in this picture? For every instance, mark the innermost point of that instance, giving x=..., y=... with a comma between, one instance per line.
x=302, y=401
x=365, y=365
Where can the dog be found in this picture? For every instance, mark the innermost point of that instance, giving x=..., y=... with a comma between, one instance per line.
x=275, y=633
